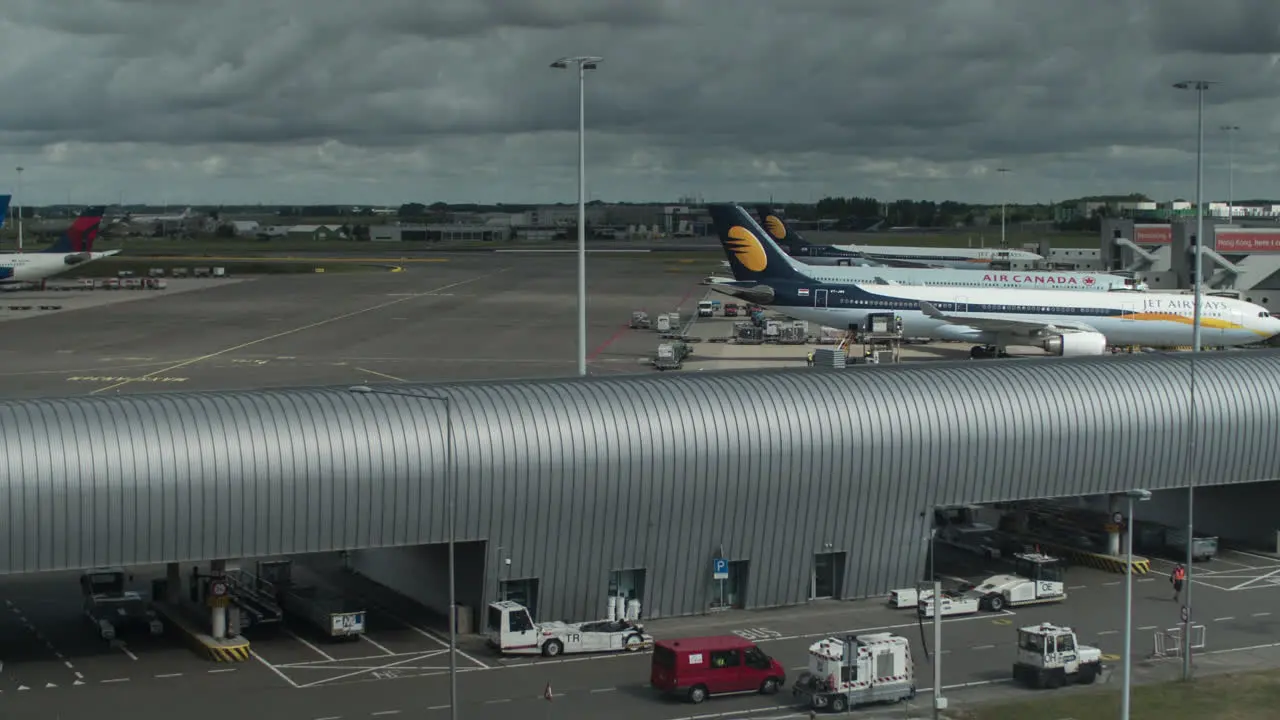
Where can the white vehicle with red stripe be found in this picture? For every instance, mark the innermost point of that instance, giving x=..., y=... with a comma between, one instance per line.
x=857, y=670
x=512, y=631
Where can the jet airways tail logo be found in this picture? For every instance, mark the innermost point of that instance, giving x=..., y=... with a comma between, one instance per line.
x=747, y=249
x=775, y=227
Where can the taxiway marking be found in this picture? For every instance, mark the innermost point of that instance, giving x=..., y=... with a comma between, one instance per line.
x=286, y=333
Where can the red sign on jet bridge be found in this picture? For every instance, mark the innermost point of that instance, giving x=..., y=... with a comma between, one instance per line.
x=1248, y=241
x=1153, y=234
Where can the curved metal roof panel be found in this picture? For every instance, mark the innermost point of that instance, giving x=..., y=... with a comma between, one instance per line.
x=642, y=465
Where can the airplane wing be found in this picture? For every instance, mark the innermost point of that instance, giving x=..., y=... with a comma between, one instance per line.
x=1004, y=324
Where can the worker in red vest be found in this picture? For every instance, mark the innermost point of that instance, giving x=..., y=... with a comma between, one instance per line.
x=1179, y=574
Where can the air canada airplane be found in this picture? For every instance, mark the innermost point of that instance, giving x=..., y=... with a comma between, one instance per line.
x=880, y=275
x=75, y=247
x=1062, y=323
x=794, y=243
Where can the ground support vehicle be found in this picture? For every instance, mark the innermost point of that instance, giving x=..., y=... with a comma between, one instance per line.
x=697, y=668
x=1049, y=656
x=1037, y=580
x=857, y=670
x=112, y=608
x=511, y=630
x=952, y=603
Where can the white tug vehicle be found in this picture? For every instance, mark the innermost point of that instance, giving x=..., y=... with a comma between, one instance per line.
x=1037, y=580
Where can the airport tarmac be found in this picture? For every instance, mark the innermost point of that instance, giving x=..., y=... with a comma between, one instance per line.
x=482, y=316
x=55, y=666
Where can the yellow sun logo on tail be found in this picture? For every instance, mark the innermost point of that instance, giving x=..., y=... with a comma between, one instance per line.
x=775, y=227
x=747, y=249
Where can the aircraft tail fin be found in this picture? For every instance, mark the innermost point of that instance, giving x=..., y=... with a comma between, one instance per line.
x=782, y=233
x=4, y=208
x=752, y=254
x=82, y=233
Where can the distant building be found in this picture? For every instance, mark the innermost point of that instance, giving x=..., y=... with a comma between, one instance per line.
x=245, y=227
x=410, y=232
x=316, y=232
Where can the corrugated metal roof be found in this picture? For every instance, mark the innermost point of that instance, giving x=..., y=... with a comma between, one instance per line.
x=645, y=471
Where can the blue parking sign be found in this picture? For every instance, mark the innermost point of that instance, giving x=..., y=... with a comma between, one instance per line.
x=720, y=569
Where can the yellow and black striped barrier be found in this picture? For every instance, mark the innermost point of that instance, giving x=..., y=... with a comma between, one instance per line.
x=229, y=651
x=1098, y=561
x=238, y=652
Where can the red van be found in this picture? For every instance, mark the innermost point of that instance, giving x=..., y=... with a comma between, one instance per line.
x=699, y=667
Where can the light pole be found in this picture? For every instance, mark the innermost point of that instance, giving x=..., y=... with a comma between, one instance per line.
x=1003, y=243
x=451, y=489
x=583, y=63
x=19, y=208
x=1199, y=86
x=1231, y=130
x=1128, y=600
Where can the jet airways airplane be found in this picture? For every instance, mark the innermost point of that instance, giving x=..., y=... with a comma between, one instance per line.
x=892, y=256
x=75, y=247
x=879, y=275
x=1062, y=323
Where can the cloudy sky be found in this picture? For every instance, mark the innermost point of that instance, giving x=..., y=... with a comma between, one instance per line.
x=389, y=101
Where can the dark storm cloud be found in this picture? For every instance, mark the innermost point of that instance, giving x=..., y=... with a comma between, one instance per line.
x=912, y=96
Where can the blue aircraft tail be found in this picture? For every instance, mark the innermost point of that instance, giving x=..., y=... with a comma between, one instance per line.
x=80, y=236
x=4, y=208
x=786, y=236
x=753, y=255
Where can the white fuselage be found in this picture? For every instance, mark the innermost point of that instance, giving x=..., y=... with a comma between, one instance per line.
x=1150, y=319
x=37, y=266
x=928, y=277
x=943, y=257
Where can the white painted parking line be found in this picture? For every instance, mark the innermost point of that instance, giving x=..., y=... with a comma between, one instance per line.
x=380, y=658
x=1147, y=627
x=1224, y=619
x=369, y=640
x=302, y=640
x=169, y=675
x=1261, y=614
x=427, y=633
x=438, y=707
x=388, y=666
x=982, y=647
x=385, y=712
x=604, y=690
x=272, y=668
x=114, y=680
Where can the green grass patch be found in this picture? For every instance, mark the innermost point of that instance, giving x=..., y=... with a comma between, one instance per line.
x=1243, y=696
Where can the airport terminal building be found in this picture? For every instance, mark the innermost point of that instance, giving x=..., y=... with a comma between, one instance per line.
x=807, y=482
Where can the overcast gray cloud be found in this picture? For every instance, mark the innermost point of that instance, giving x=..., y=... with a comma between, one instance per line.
x=386, y=101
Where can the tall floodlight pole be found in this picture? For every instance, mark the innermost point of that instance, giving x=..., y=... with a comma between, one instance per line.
x=1199, y=86
x=583, y=63
x=1003, y=200
x=1231, y=130
x=1128, y=600
x=451, y=489
x=20, y=208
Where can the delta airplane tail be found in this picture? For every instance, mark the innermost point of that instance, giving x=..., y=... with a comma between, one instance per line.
x=79, y=238
x=753, y=256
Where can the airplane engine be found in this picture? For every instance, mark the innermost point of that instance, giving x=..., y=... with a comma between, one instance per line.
x=1076, y=344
